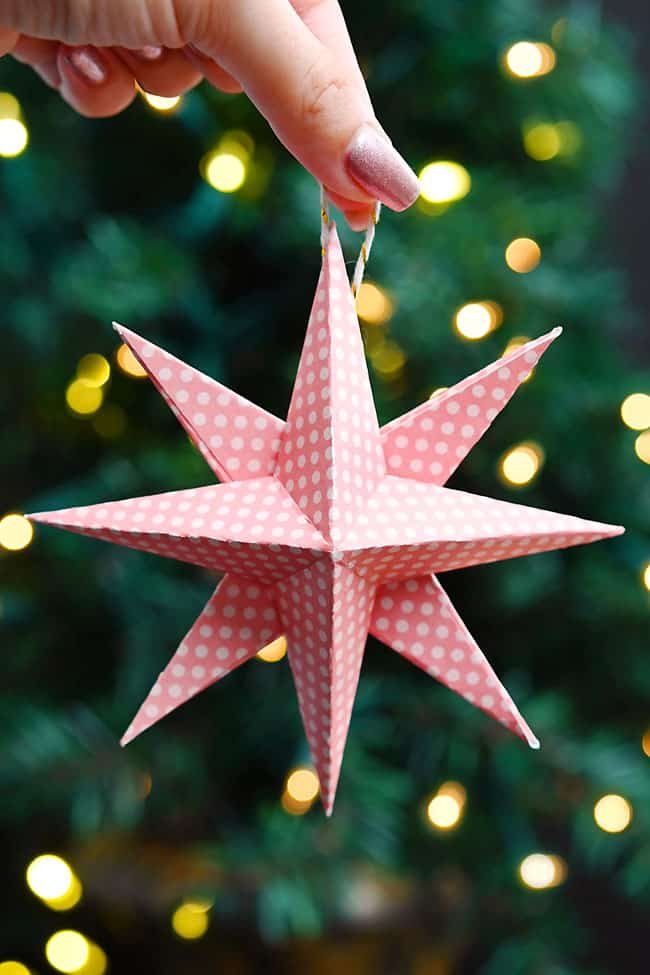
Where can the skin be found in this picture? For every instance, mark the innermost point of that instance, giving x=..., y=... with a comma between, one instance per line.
x=293, y=58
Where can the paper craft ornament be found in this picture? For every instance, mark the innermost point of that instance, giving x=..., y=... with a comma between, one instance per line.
x=328, y=527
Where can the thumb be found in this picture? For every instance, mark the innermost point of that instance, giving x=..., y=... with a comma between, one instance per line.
x=313, y=99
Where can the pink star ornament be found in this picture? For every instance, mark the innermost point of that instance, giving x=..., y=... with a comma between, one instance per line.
x=328, y=527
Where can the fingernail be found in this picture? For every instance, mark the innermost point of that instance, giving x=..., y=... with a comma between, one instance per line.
x=373, y=163
x=149, y=53
x=87, y=62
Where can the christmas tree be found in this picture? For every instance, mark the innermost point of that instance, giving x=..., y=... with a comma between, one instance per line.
x=453, y=849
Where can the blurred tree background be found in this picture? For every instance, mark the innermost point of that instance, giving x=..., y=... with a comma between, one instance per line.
x=190, y=224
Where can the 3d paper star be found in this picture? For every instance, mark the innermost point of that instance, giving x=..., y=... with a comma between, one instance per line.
x=328, y=528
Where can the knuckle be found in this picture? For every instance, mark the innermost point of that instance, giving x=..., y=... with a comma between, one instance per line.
x=321, y=91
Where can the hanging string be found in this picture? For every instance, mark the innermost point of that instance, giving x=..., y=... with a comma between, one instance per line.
x=366, y=246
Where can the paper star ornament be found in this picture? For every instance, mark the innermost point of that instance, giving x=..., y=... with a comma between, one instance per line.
x=328, y=527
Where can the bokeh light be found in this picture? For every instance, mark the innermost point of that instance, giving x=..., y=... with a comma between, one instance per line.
x=529, y=59
x=14, y=137
x=94, y=369
x=374, y=305
x=645, y=576
x=515, y=343
x=9, y=105
x=521, y=464
x=84, y=398
x=444, y=811
x=613, y=813
x=224, y=171
x=110, y=422
x=273, y=652
x=635, y=411
x=645, y=741
x=97, y=962
x=388, y=359
x=540, y=871
x=161, y=103
x=477, y=319
x=444, y=182
x=13, y=968
x=523, y=255
x=302, y=785
x=49, y=876
x=67, y=951
x=542, y=141
x=190, y=923
x=16, y=532
x=642, y=446
x=128, y=363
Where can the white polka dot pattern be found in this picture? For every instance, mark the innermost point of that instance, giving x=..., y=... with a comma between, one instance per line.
x=411, y=528
x=239, y=619
x=325, y=611
x=237, y=439
x=417, y=618
x=311, y=525
x=430, y=442
x=331, y=458
x=252, y=527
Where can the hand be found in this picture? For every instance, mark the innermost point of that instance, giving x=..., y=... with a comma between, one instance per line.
x=293, y=58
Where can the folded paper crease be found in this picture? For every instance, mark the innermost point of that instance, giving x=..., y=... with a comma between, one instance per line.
x=328, y=527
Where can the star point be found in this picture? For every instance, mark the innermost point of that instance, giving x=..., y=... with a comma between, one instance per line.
x=327, y=528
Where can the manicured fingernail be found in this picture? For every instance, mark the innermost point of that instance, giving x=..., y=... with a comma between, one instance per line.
x=373, y=163
x=87, y=62
x=149, y=53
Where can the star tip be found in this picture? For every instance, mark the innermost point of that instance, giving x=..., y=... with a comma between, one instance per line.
x=534, y=743
x=126, y=738
x=557, y=331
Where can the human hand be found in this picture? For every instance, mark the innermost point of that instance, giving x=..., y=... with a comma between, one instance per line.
x=293, y=58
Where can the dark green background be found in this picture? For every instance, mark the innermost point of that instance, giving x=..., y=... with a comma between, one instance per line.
x=111, y=219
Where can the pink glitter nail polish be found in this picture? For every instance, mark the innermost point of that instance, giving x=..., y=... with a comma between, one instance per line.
x=373, y=163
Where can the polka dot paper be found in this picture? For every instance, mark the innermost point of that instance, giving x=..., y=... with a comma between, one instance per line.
x=326, y=527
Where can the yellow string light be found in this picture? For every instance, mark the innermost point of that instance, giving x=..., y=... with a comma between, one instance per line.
x=302, y=785
x=445, y=809
x=529, y=59
x=388, y=359
x=97, y=962
x=645, y=576
x=161, y=103
x=541, y=871
x=444, y=182
x=94, y=369
x=273, y=652
x=16, y=532
x=523, y=255
x=635, y=411
x=515, y=343
x=477, y=319
x=642, y=446
x=13, y=968
x=542, y=141
x=190, y=923
x=14, y=137
x=521, y=464
x=110, y=422
x=645, y=742
x=67, y=951
x=128, y=363
x=613, y=813
x=83, y=398
x=374, y=304
x=49, y=877
x=9, y=106
x=224, y=171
